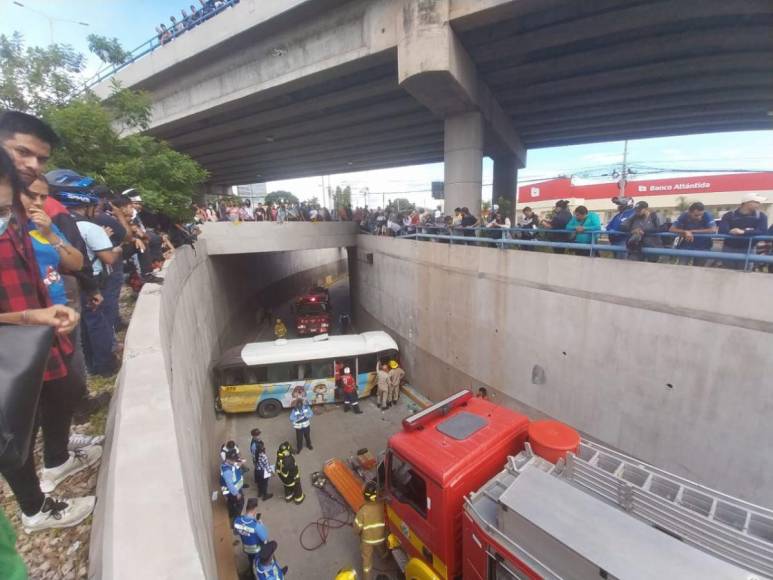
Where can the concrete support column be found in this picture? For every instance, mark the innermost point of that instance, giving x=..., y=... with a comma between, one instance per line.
x=505, y=172
x=463, y=161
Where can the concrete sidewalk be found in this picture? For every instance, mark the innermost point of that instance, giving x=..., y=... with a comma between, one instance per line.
x=334, y=434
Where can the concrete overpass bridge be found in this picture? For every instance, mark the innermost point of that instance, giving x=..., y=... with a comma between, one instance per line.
x=276, y=89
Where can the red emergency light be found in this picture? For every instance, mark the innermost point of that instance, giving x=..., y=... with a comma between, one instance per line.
x=417, y=421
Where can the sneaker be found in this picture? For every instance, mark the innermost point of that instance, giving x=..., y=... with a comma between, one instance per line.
x=79, y=460
x=311, y=448
x=267, y=497
x=58, y=513
x=81, y=441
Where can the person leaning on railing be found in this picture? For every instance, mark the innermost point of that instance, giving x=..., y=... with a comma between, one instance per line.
x=696, y=220
x=583, y=224
x=742, y=223
x=644, y=227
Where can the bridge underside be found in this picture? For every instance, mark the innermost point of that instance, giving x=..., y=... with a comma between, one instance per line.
x=563, y=72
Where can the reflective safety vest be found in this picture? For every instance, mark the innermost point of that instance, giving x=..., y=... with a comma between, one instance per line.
x=369, y=523
x=270, y=571
x=250, y=530
x=234, y=474
x=301, y=418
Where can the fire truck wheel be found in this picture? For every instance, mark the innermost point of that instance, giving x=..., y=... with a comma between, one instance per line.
x=269, y=408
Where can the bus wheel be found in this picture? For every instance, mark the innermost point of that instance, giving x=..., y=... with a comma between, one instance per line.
x=269, y=408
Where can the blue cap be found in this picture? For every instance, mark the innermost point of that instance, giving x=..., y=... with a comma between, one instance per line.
x=69, y=179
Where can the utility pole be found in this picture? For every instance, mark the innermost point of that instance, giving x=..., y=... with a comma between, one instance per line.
x=624, y=173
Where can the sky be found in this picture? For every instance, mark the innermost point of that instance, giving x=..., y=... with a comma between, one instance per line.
x=133, y=23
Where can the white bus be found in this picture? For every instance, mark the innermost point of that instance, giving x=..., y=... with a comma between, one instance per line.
x=265, y=377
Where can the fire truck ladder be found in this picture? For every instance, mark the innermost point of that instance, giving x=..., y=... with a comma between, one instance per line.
x=729, y=528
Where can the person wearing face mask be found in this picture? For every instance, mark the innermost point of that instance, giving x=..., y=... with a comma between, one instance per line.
x=25, y=300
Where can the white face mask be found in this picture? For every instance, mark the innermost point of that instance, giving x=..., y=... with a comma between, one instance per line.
x=4, y=222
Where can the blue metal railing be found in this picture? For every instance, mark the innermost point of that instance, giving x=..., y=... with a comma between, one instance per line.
x=456, y=234
x=155, y=42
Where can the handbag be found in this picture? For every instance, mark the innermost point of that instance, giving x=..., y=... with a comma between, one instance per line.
x=24, y=354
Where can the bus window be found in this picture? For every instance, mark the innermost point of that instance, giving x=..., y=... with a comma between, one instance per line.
x=231, y=376
x=280, y=373
x=408, y=486
x=322, y=369
x=366, y=363
x=255, y=375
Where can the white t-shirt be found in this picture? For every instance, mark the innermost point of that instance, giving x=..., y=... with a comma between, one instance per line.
x=96, y=241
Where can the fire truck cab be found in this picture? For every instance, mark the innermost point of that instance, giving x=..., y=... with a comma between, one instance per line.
x=444, y=453
x=312, y=312
x=475, y=491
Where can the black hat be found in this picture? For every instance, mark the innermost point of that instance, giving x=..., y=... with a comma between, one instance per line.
x=641, y=205
x=267, y=551
x=231, y=454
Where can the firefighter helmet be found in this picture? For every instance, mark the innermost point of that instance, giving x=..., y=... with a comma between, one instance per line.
x=346, y=574
x=370, y=492
x=284, y=449
x=392, y=364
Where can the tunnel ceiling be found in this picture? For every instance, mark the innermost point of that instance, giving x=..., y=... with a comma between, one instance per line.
x=566, y=72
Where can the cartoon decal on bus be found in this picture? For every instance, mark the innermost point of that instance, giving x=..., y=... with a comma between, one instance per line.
x=266, y=377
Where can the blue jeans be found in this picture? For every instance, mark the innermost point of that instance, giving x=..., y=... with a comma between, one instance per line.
x=112, y=292
x=98, y=336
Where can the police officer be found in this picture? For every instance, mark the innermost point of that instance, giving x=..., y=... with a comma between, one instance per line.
x=231, y=445
x=370, y=526
x=253, y=533
x=300, y=418
x=231, y=484
x=265, y=565
x=349, y=385
x=289, y=473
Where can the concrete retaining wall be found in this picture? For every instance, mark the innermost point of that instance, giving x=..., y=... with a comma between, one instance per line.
x=159, y=471
x=669, y=363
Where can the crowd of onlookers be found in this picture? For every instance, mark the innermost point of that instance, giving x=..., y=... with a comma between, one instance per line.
x=190, y=18
x=633, y=228
x=67, y=248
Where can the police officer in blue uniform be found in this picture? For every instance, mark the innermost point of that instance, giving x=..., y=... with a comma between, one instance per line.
x=231, y=484
x=251, y=530
x=265, y=565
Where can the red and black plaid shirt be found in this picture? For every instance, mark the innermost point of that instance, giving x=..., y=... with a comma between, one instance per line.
x=22, y=289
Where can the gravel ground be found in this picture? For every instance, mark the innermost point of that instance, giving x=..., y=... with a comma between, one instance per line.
x=63, y=554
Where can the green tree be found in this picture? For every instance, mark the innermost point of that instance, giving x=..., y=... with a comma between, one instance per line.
x=313, y=202
x=164, y=177
x=34, y=78
x=403, y=205
x=280, y=197
x=342, y=197
x=108, y=50
x=43, y=81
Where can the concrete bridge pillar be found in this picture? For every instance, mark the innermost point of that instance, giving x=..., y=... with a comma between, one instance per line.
x=505, y=174
x=435, y=68
x=463, y=168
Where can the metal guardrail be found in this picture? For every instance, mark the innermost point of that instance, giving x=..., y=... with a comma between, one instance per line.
x=456, y=235
x=153, y=43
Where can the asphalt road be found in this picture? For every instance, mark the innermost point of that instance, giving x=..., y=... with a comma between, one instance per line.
x=334, y=434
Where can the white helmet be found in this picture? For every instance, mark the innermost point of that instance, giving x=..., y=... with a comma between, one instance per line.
x=347, y=371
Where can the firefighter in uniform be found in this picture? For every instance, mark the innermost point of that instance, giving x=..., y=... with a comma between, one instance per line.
x=280, y=330
x=369, y=524
x=231, y=484
x=289, y=473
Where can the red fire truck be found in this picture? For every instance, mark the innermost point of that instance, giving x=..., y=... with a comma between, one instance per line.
x=312, y=312
x=477, y=491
